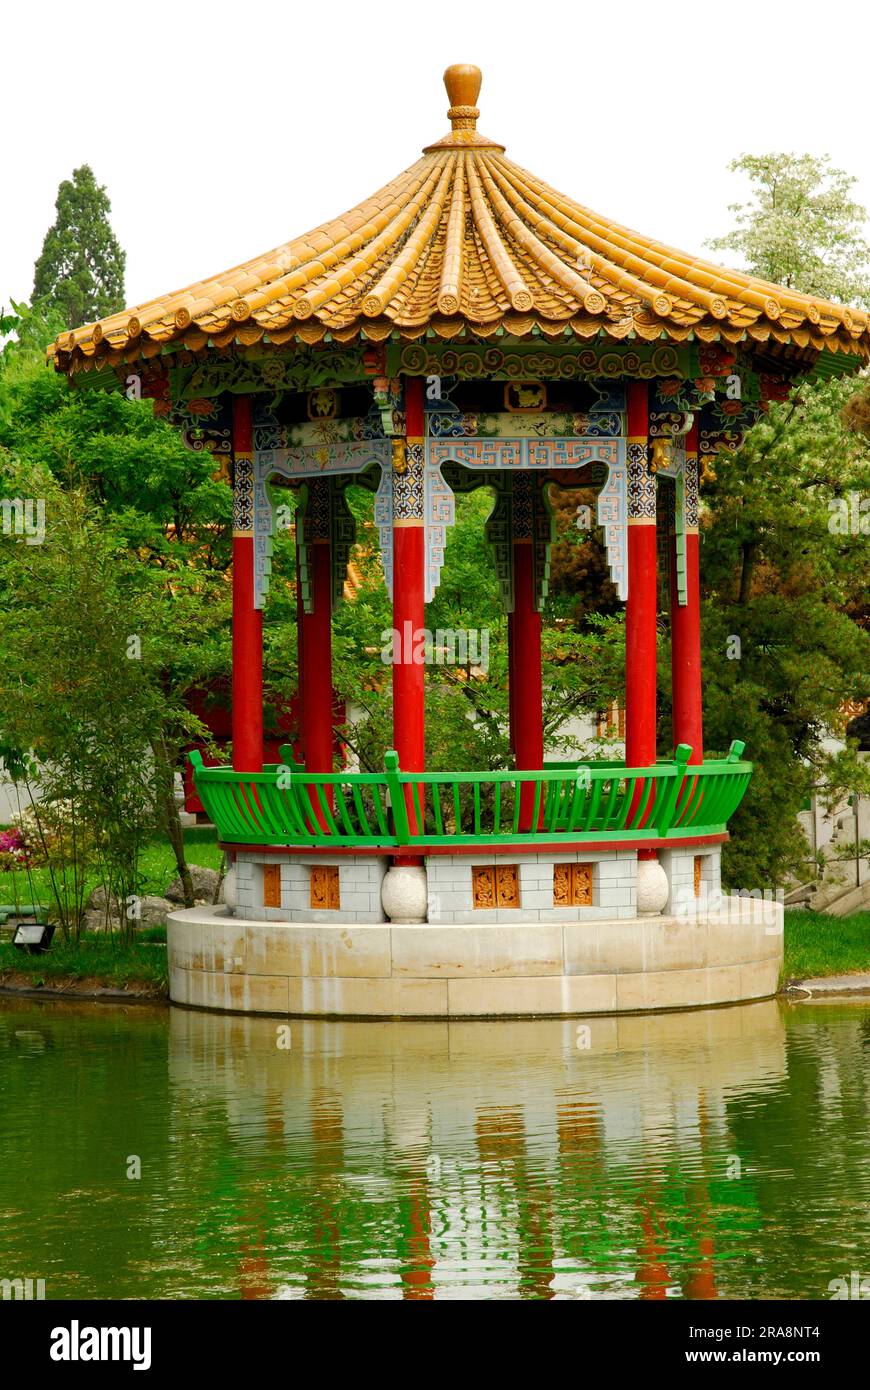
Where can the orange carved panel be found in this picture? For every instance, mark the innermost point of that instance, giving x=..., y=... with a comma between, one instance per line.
x=581, y=885
x=572, y=885
x=271, y=885
x=561, y=885
x=507, y=885
x=697, y=875
x=495, y=886
x=325, y=893
x=483, y=886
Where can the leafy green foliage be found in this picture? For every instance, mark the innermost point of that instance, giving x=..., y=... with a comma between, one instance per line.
x=776, y=573
x=803, y=228
x=115, y=618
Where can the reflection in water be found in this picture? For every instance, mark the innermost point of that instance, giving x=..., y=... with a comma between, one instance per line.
x=706, y=1155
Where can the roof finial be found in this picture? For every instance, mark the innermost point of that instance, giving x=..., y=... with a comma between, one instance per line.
x=462, y=81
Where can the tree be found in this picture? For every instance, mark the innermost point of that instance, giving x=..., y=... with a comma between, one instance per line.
x=81, y=268
x=168, y=518
x=776, y=574
x=73, y=698
x=803, y=229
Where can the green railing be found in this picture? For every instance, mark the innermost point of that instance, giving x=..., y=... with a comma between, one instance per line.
x=285, y=805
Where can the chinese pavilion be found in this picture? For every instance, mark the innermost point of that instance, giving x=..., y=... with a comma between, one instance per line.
x=468, y=326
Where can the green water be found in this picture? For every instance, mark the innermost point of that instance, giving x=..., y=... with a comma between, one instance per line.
x=716, y=1154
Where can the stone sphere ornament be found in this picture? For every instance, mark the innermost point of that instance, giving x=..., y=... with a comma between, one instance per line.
x=652, y=888
x=404, y=893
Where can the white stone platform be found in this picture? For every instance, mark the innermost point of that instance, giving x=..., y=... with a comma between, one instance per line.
x=532, y=969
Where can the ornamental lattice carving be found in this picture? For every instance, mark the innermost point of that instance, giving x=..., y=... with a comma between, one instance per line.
x=641, y=483
x=409, y=489
x=243, y=493
x=612, y=515
x=343, y=528
x=440, y=513
x=691, y=491
x=507, y=454
x=497, y=533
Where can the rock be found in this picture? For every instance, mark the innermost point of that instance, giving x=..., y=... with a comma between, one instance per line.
x=152, y=912
x=99, y=916
x=96, y=919
x=205, y=882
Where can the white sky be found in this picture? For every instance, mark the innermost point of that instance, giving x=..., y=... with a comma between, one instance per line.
x=224, y=129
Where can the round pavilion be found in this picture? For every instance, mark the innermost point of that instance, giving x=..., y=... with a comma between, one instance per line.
x=469, y=326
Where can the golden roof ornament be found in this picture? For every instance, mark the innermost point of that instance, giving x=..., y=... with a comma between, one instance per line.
x=462, y=81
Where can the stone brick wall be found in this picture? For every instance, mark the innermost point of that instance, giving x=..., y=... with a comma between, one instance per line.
x=679, y=865
x=614, y=878
x=359, y=888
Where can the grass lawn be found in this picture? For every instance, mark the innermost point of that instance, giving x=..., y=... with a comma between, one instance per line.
x=99, y=962
x=157, y=865
x=816, y=944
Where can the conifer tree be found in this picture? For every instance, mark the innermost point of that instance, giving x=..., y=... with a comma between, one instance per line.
x=81, y=268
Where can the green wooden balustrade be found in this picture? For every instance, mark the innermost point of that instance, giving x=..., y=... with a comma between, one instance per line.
x=571, y=802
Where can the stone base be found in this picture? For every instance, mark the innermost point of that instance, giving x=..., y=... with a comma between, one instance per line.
x=464, y=970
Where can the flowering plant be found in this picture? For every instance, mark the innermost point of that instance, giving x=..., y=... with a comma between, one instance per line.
x=16, y=850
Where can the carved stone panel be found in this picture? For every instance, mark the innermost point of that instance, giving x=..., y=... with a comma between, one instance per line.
x=271, y=885
x=572, y=885
x=495, y=886
x=325, y=892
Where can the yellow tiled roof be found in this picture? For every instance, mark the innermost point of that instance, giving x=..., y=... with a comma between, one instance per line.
x=467, y=241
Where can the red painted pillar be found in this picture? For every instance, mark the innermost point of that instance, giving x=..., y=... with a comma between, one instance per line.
x=409, y=594
x=640, y=613
x=316, y=633
x=300, y=614
x=526, y=668
x=247, y=689
x=524, y=636
x=512, y=719
x=686, y=621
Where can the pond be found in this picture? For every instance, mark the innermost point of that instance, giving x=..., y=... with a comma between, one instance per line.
x=160, y=1153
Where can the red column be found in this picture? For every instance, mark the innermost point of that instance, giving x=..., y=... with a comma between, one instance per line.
x=526, y=667
x=300, y=613
x=316, y=633
x=409, y=613
x=524, y=635
x=247, y=696
x=640, y=614
x=512, y=719
x=686, y=621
